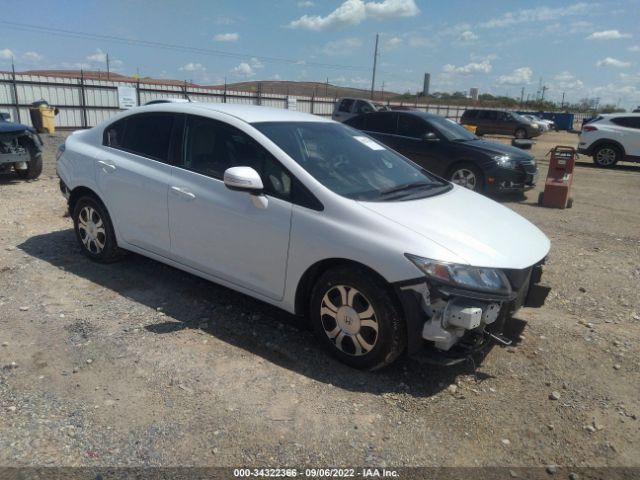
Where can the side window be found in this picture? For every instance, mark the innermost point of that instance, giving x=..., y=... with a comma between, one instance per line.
x=382, y=122
x=504, y=116
x=629, y=122
x=114, y=134
x=356, y=122
x=410, y=126
x=148, y=134
x=345, y=105
x=470, y=114
x=210, y=147
x=363, y=107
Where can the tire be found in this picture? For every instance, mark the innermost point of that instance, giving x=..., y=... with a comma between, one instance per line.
x=540, y=198
x=607, y=155
x=344, y=297
x=34, y=167
x=520, y=133
x=94, y=231
x=467, y=175
x=570, y=202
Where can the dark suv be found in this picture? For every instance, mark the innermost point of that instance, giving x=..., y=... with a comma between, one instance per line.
x=443, y=147
x=499, y=122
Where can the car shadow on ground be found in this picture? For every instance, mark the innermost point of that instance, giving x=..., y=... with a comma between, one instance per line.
x=622, y=167
x=188, y=301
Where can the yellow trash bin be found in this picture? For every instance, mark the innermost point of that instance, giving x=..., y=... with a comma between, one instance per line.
x=48, y=118
x=471, y=128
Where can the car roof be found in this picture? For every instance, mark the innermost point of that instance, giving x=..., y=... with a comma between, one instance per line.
x=619, y=114
x=247, y=113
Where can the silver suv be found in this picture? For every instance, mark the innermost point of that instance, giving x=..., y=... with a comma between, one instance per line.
x=346, y=108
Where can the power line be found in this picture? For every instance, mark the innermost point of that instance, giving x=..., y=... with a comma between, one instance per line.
x=169, y=46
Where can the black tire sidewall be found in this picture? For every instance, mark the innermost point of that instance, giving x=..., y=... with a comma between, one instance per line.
x=110, y=251
x=34, y=167
x=391, y=337
x=520, y=130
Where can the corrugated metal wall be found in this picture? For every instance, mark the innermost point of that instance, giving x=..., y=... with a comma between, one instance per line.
x=101, y=99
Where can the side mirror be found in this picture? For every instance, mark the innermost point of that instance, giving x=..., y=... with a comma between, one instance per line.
x=243, y=179
x=430, y=137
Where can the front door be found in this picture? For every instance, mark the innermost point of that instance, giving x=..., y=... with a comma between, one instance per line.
x=229, y=234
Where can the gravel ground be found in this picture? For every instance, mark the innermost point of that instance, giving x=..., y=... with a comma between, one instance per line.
x=139, y=364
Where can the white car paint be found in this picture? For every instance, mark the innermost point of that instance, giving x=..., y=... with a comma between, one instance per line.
x=608, y=132
x=195, y=223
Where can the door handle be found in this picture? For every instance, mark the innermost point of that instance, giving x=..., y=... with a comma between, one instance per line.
x=183, y=192
x=107, y=167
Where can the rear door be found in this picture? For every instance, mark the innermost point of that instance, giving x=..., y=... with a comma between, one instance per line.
x=225, y=233
x=133, y=175
x=409, y=142
x=382, y=126
x=629, y=128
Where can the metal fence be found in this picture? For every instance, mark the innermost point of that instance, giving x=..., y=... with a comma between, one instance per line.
x=84, y=103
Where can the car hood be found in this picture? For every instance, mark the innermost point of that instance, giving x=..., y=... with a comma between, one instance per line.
x=473, y=227
x=494, y=148
x=15, y=128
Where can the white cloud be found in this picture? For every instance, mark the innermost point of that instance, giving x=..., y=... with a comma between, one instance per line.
x=32, y=57
x=392, y=8
x=354, y=12
x=566, y=81
x=467, y=36
x=538, y=14
x=99, y=56
x=255, y=63
x=344, y=46
x=519, y=76
x=6, y=54
x=192, y=67
x=226, y=37
x=608, y=35
x=469, y=69
x=306, y=4
x=417, y=41
x=612, y=62
x=391, y=43
x=634, y=48
x=243, y=70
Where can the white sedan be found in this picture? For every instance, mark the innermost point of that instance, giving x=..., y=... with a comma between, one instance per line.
x=308, y=215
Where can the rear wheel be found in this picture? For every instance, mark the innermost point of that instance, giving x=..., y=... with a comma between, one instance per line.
x=355, y=318
x=606, y=155
x=467, y=175
x=94, y=230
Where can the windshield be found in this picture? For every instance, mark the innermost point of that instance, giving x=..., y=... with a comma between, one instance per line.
x=520, y=118
x=451, y=130
x=350, y=163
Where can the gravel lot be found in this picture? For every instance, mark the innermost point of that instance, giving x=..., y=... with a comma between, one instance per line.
x=139, y=364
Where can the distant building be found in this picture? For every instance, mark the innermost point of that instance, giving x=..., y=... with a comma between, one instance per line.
x=425, y=87
x=474, y=92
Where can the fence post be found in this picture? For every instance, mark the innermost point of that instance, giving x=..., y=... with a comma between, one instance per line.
x=138, y=92
x=15, y=93
x=224, y=95
x=83, y=101
x=313, y=99
x=259, y=94
x=184, y=91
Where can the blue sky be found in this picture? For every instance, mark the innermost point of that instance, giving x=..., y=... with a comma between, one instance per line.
x=580, y=48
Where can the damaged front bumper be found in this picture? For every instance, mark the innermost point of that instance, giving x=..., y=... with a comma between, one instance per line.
x=456, y=323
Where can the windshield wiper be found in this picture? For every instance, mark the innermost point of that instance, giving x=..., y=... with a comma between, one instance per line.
x=406, y=187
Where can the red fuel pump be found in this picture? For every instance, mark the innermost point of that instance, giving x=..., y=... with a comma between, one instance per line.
x=559, y=178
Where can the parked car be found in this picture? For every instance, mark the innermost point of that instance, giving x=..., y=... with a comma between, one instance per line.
x=611, y=138
x=543, y=124
x=308, y=215
x=345, y=108
x=442, y=146
x=499, y=122
x=20, y=149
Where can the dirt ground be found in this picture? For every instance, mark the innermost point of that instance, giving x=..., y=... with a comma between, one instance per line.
x=115, y=365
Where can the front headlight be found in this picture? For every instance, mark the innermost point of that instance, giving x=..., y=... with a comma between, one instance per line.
x=464, y=276
x=505, y=161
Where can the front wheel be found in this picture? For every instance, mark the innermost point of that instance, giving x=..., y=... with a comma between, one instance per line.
x=468, y=176
x=94, y=231
x=521, y=134
x=355, y=318
x=34, y=166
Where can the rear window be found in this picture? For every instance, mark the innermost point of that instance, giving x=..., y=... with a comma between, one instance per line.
x=345, y=105
x=470, y=113
x=629, y=122
x=382, y=122
x=148, y=134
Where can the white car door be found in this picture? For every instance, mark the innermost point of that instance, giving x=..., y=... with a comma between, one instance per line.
x=133, y=175
x=629, y=128
x=225, y=233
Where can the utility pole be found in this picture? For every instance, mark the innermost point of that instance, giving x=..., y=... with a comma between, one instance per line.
x=521, y=96
x=107, y=66
x=375, y=62
x=562, y=103
x=544, y=89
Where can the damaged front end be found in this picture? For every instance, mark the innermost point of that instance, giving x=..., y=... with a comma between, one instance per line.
x=19, y=144
x=460, y=310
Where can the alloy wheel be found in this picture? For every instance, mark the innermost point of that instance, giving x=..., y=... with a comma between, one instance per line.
x=91, y=229
x=349, y=320
x=465, y=178
x=606, y=156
